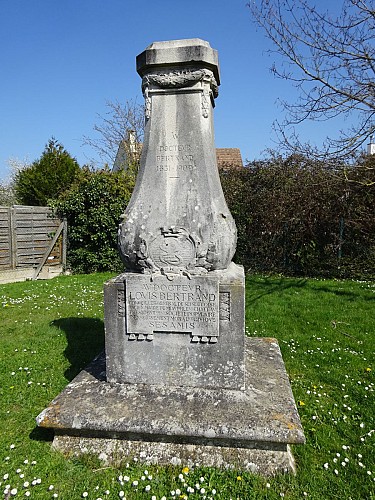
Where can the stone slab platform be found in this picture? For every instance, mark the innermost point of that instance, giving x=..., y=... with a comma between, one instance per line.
x=249, y=429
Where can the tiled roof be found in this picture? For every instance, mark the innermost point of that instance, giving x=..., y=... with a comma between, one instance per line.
x=226, y=157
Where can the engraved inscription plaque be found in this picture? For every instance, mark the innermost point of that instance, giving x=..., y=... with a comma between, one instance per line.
x=178, y=305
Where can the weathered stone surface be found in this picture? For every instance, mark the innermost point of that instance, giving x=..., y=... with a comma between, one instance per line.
x=178, y=383
x=181, y=321
x=272, y=459
x=141, y=417
x=192, y=51
x=177, y=331
x=177, y=218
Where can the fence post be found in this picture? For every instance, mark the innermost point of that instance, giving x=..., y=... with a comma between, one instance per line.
x=13, y=238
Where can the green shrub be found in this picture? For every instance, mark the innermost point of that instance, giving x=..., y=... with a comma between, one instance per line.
x=302, y=217
x=47, y=178
x=92, y=207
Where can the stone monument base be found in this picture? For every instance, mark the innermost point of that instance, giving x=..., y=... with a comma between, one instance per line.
x=206, y=349
x=250, y=430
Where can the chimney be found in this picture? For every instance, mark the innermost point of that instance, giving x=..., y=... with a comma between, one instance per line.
x=371, y=146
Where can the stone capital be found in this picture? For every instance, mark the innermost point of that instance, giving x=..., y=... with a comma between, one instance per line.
x=192, y=52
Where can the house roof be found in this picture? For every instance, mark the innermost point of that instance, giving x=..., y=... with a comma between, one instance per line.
x=225, y=157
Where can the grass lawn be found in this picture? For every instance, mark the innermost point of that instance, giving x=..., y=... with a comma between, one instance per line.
x=49, y=330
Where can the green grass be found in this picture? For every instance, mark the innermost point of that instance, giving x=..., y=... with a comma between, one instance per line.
x=50, y=330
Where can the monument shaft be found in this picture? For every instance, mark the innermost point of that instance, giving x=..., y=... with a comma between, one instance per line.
x=177, y=218
x=181, y=321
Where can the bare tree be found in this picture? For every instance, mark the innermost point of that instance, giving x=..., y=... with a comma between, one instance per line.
x=331, y=60
x=114, y=129
x=8, y=195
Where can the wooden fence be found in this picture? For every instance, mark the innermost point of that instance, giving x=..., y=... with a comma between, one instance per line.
x=31, y=238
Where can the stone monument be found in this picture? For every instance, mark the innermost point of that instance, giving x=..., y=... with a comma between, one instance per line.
x=179, y=382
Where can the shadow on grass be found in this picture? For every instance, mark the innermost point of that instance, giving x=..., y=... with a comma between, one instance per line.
x=277, y=285
x=85, y=338
x=270, y=286
x=42, y=434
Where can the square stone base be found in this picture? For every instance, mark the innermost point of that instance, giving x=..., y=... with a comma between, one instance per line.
x=249, y=430
x=276, y=459
x=148, y=341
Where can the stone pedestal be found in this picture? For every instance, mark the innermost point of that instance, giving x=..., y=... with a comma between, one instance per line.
x=179, y=331
x=249, y=429
x=179, y=383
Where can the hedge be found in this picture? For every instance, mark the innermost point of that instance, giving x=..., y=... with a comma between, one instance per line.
x=301, y=217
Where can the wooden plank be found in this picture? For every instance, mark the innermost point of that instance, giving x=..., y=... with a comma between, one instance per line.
x=27, y=249
x=25, y=212
x=35, y=237
x=38, y=230
x=30, y=252
x=25, y=236
x=31, y=208
x=31, y=243
x=37, y=243
x=39, y=235
x=31, y=214
x=42, y=235
x=24, y=222
x=32, y=237
x=64, y=243
x=26, y=265
x=53, y=242
x=32, y=247
x=32, y=256
x=38, y=225
x=26, y=233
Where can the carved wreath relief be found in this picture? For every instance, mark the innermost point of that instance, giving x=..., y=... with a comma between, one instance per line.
x=177, y=79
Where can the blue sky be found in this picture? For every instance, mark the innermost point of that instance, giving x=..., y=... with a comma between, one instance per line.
x=61, y=61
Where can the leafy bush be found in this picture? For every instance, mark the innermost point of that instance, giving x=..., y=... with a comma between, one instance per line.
x=47, y=178
x=303, y=217
x=92, y=207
